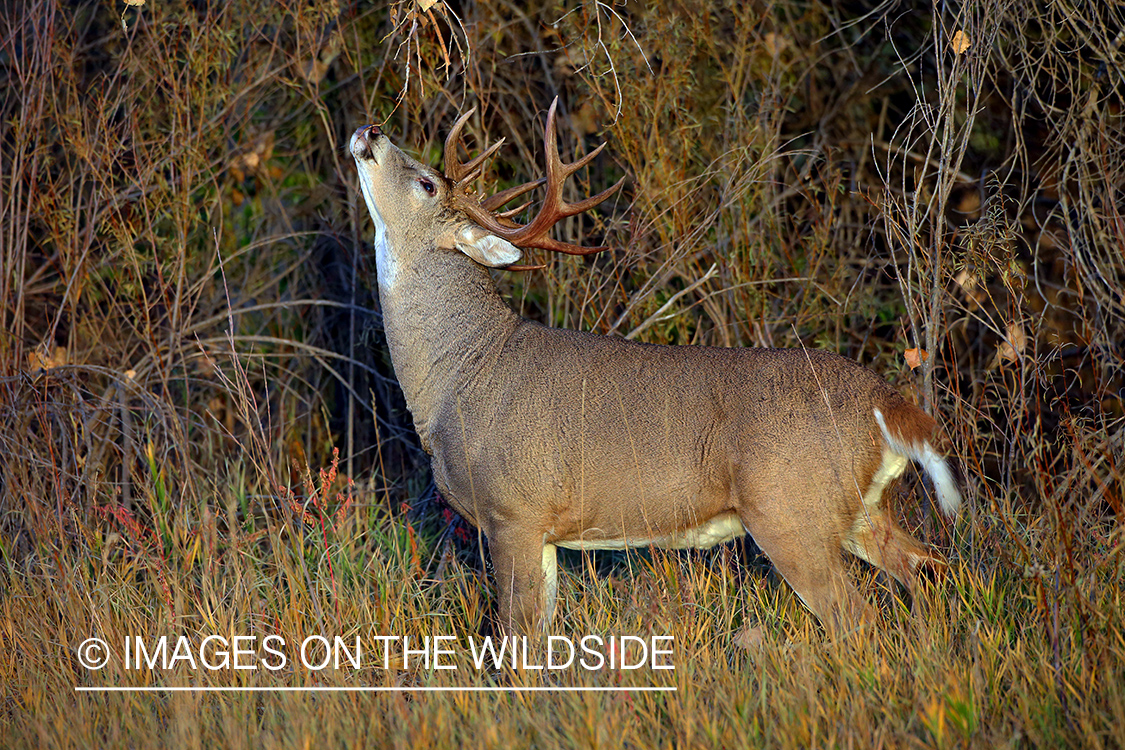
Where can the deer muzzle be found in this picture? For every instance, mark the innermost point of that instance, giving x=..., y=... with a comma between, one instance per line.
x=363, y=141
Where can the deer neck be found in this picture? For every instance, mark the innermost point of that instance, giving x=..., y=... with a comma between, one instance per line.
x=446, y=325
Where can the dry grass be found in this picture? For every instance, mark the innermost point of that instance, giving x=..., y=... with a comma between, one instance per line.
x=186, y=326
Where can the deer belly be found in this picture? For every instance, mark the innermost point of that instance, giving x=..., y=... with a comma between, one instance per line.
x=716, y=530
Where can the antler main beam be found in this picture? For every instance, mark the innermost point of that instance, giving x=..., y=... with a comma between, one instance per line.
x=554, y=209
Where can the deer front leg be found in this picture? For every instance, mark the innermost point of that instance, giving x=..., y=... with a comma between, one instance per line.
x=525, y=571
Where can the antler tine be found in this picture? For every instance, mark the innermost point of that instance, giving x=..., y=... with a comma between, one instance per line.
x=474, y=168
x=594, y=200
x=556, y=167
x=508, y=214
x=449, y=161
x=493, y=202
x=456, y=170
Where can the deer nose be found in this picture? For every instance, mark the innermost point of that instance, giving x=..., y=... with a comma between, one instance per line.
x=362, y=139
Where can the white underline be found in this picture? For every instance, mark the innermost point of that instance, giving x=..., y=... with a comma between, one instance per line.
x=319, y=689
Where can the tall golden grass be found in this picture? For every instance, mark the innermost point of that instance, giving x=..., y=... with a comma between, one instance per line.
x=187, y=333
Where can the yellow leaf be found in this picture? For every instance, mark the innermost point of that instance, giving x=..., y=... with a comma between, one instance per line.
x=1013, y=345
x=775, y=44
x=961, y=42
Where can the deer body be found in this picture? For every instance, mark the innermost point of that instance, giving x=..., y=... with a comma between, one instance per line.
x=548, y=438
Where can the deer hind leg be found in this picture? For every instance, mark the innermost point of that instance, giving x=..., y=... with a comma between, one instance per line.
x=807, y=554
x=877, y=539
x=525, y=582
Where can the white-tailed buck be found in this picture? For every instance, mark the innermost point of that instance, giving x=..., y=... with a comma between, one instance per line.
x=547, y=438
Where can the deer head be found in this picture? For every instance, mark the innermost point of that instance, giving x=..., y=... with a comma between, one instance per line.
x=430, y=211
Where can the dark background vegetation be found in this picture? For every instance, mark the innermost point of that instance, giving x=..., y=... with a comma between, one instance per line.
x=188, y=324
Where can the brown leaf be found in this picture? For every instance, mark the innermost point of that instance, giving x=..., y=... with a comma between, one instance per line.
x=915, y=357
x=316, y=69
x=968, y=204
x=42, y=359
x=970, y=283
x=253, y=158
x=585, y=120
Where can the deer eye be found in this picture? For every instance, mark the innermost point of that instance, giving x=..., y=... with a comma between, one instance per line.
x=427, y=185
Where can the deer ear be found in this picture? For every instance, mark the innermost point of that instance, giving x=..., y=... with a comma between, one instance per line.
x=482, y=246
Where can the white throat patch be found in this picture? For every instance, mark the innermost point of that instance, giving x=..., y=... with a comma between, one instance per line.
x=384, y=259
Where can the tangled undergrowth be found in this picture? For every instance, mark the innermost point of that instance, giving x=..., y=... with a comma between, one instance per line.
x=188, y=325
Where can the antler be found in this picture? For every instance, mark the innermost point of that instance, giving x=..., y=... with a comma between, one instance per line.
x=554, y=208
x=464, y=173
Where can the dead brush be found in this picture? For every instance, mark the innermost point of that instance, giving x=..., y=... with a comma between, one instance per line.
x=944, y=179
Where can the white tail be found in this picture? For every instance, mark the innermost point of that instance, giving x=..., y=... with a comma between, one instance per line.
x=549, y=438
x=949, y=497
